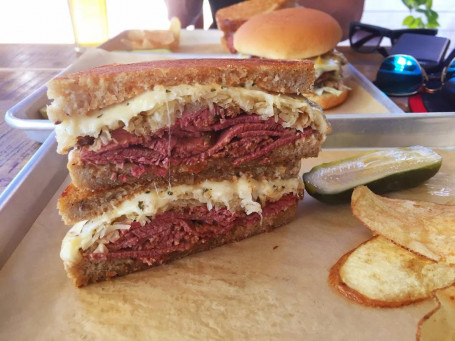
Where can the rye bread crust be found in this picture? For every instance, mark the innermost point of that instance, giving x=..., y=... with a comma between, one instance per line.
x=77, y=94
x=86, y=272
x=283, y=162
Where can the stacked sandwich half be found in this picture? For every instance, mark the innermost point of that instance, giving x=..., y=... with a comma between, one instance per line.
x=169, y=158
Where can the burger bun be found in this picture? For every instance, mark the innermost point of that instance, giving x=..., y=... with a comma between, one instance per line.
x=290, y=33
x=328, y=100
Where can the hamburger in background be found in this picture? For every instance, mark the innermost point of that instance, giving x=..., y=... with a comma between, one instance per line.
x=299, y=33
x=230, y=18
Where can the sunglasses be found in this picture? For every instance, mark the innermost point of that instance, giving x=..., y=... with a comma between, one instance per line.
x=366, y=38
x=402, y=75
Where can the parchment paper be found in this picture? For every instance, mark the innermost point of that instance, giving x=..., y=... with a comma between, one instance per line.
x=269, y=287
x=359, y=100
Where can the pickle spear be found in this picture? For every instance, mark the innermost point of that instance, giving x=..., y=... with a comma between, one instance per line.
x=382, y=171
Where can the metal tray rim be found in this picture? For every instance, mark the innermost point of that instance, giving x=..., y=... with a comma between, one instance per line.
x=28, y=193
x=13, y=119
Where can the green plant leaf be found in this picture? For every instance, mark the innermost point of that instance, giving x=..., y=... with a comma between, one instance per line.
x=408, y=21
x=407, y=3
x=424, y=7
x=418, y=23
x=432, y=15
x=432, y=25
x=421, y=3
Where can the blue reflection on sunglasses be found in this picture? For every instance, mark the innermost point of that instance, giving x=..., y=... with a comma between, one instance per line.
x=401, y=63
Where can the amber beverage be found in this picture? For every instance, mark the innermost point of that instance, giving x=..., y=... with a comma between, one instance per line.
x=89, y=19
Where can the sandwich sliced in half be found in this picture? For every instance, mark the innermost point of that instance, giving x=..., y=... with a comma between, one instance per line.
x=170, y=158
x=296, y=34
x=150, y=226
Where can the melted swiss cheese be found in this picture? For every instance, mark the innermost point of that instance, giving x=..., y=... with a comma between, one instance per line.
x=162, y=106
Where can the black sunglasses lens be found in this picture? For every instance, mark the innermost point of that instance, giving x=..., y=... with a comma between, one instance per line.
x=399, y=75
x=365, y=41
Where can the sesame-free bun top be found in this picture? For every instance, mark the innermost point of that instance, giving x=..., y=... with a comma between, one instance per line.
x=290, y=33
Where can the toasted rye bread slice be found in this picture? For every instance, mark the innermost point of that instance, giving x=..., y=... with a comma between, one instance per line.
x=86, y=271
x=80, y=93
x=230, y=18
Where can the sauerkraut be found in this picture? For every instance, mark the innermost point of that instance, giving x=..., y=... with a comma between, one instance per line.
x=160, y=107
x=240, y=194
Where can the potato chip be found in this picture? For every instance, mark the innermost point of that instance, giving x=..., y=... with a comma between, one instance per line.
x=131, y=44
x=422, y=227
x=175, y=27
x=439, y=324
x=380, y=273
x=136, y=35
x=159, y=38
x=155, y=39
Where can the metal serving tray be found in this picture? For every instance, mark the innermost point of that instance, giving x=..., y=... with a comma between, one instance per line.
x=38, y=181
x=366, y=130
x=351, y=128
x=31, y=190
x=24, y=115
x=279, y=277
x=46, y=171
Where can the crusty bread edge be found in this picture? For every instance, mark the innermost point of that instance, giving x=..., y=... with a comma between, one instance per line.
x=80, y=93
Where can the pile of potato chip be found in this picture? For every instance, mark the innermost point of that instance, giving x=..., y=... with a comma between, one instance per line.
x=155, y=39
x=411, y=256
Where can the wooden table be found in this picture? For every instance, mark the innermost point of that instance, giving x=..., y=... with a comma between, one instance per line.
x=24, y=68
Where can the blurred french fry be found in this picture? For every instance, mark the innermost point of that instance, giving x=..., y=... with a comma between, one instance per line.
x=175, y=27
x=425, y=228
x=380, y=273
x=439, y=324
x=43, y=112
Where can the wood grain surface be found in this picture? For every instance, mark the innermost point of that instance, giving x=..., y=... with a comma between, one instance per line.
x=23, y=69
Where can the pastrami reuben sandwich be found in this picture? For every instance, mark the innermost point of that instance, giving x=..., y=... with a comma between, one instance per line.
x=169, y=158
